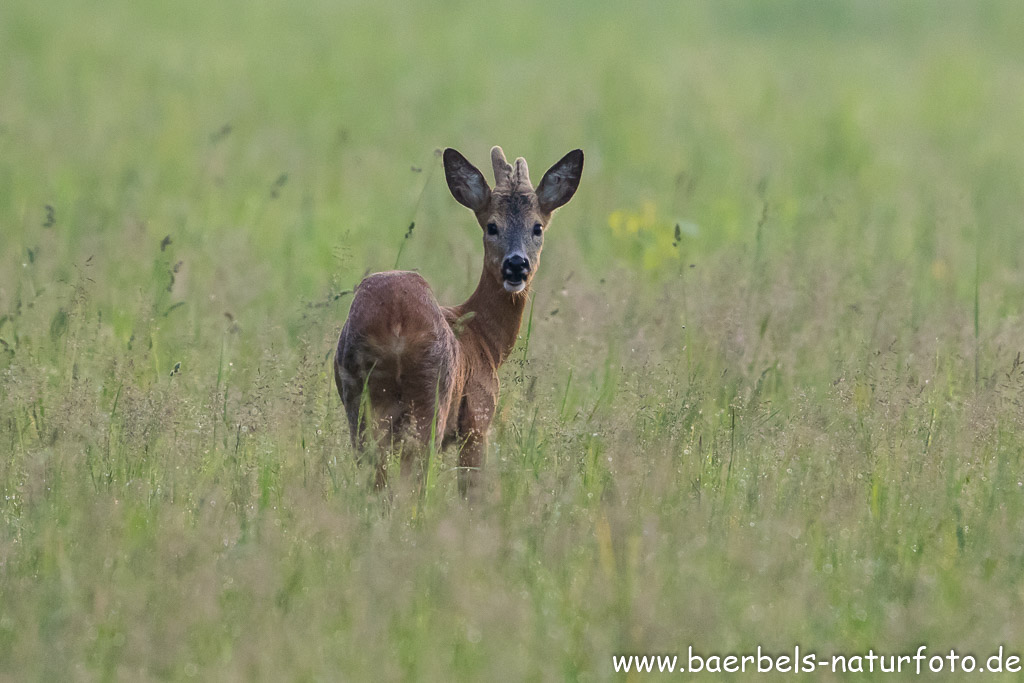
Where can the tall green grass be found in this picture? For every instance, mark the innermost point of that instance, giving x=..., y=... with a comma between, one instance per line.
x=770, y=389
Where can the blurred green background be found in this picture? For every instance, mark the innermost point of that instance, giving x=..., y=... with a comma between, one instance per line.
x=770, y=391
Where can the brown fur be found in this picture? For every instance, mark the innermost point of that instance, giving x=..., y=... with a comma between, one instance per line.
x=419, y=361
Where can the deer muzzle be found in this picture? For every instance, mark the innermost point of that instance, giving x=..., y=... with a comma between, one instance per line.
x=514, y=270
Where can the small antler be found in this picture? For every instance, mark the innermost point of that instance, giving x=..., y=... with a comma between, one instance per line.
x=502, y=169
x=521, y=176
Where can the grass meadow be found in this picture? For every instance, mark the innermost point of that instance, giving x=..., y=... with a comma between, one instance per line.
x=770, y=392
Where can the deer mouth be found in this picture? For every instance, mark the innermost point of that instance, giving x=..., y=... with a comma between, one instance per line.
x=514, y=286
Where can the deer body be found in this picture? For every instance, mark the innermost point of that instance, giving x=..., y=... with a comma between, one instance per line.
x=431, y=371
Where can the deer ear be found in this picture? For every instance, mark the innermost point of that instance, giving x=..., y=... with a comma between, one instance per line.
x=465, y=181
x=560, y=182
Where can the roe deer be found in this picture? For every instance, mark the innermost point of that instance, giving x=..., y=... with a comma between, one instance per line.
x=430, y=370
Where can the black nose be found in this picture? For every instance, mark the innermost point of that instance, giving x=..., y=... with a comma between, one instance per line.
x=515, y=268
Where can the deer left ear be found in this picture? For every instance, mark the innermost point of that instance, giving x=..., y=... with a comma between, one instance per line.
x=465, y=181
x=560, y=182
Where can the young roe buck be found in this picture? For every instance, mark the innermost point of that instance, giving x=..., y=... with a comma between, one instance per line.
x=431, y=370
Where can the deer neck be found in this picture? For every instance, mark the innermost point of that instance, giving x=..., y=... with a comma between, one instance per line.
x=497, y=316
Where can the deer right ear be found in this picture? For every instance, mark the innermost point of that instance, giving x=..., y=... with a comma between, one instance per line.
x=465, y=181
x=560, y=182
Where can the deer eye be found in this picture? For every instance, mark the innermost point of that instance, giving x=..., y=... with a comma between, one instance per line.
x=538, y=229
x=492, y=229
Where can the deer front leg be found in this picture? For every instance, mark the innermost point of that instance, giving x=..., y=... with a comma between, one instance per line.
x=471, y=460
x=474, y=422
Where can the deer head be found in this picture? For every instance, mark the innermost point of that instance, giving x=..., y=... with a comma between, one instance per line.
x=512, y=215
